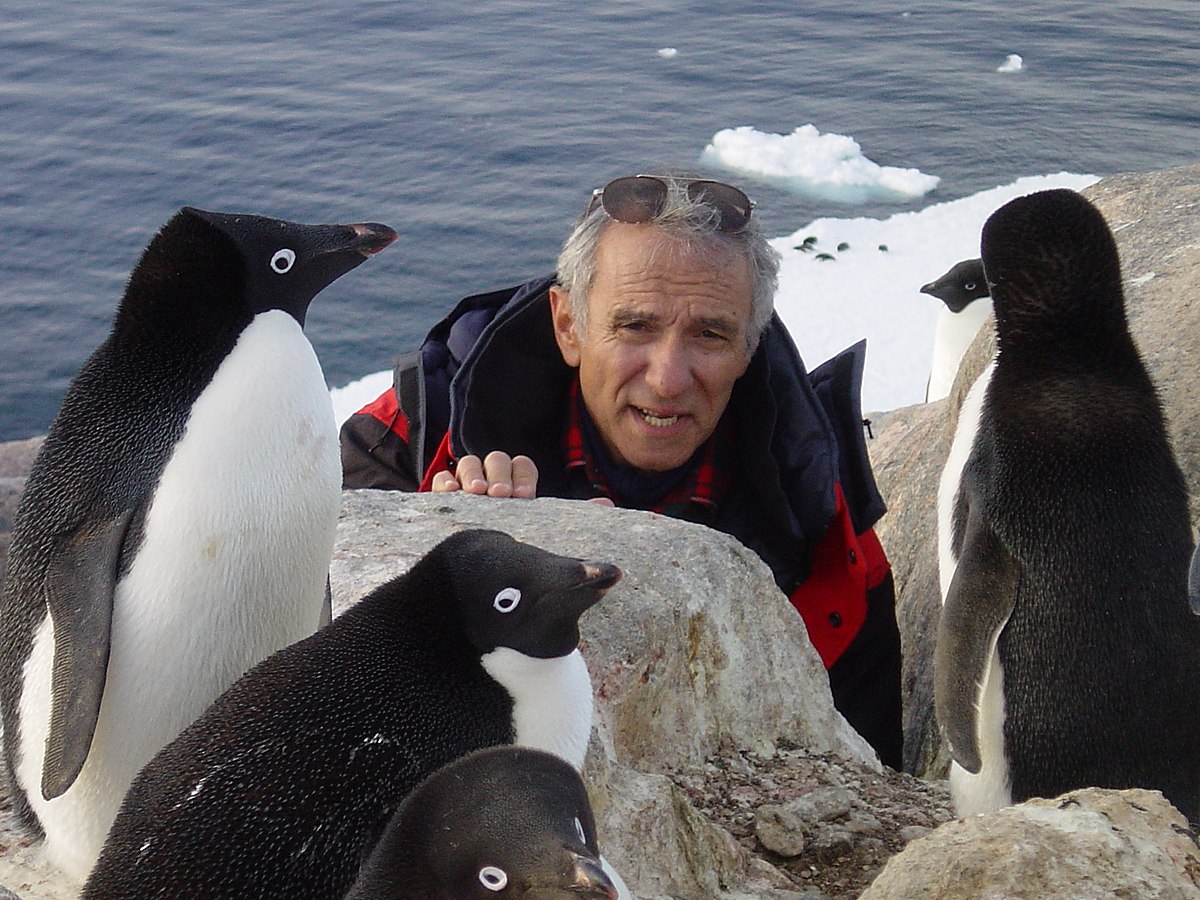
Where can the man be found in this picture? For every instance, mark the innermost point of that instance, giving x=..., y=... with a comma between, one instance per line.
x=651, y=372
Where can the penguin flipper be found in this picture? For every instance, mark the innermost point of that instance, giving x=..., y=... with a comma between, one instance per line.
x=1194, y=582
x=80, y=583
x=978, y=604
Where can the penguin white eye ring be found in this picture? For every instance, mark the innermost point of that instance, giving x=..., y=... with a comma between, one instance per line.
x=506, y=601
x=493, y=879
x=282, y=261
x=579, y=830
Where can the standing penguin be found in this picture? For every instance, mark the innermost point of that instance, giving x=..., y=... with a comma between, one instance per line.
x=177, y=526
x=506, y=821
x=1067, y=655
x=284, y=784
x=964, y=291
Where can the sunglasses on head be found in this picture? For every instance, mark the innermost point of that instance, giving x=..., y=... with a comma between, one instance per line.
x=636, y=199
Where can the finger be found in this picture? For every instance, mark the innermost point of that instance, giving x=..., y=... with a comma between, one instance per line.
x=524, y=477
x=469, y=472
x=443, y=482
x=498, y=468
x=602, y=501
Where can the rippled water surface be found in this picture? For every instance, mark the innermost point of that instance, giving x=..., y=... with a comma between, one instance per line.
x=478, y=134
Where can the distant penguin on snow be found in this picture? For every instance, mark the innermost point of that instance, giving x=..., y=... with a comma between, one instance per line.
x=1067, y=655
x=964, y=291
x=177, y=525
x=284, y=784
x=503, y=822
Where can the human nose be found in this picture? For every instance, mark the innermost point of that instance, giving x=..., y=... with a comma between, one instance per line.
x=668, y=370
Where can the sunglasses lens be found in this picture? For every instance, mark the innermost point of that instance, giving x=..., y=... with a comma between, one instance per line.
x=634, y=199
x=732, y=204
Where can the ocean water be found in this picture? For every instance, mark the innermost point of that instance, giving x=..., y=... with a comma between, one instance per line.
x=479, y=132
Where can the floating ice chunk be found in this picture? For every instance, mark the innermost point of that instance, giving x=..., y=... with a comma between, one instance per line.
x=1012, y=63
x=829, y=166
x=668, y=52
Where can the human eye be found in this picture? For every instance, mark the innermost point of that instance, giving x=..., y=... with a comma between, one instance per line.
x=632, y=325
x=716, y=333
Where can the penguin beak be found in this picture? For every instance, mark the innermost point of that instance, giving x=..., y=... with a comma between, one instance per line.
x=590, y=881
x=928, y=288
x=371, y=237
x=599, y=576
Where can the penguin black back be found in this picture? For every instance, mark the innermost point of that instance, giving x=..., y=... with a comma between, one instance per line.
x=506, y=821
x=1077, y=538
x=288, y=779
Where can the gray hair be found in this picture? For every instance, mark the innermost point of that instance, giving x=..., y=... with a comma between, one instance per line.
x=694, y=225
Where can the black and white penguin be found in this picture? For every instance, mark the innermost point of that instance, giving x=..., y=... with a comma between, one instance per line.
x=177, y=526
x=503, y=822
x=964, y=291
x=1067, y=655
x=284, y=784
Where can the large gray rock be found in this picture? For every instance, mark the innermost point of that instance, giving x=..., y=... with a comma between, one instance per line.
x=1086, y=844
x=695, y=646
x=1156, y=220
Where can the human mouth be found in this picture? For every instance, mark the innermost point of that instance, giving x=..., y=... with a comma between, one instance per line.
x=656, y=421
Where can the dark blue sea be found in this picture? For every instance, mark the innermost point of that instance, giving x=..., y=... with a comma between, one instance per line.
x=478, y=131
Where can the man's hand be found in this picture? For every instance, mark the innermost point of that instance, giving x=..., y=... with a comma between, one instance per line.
x=497, y=475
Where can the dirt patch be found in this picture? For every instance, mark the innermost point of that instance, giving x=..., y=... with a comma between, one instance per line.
x=828, y=824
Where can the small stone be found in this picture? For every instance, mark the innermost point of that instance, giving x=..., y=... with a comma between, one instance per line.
x=862, y=822
x=821, y=805
x=832, y=840
x=763, y=748
x=739, y=765
x=779, y=831
x=910, y=833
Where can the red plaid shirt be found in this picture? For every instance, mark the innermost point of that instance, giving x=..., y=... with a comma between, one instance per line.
x=696, y=498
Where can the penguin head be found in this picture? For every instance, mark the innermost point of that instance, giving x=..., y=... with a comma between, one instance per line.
x=1053, y=271
x=511, y=594
x=286, y=264
x=508, y=822
x=959, y=287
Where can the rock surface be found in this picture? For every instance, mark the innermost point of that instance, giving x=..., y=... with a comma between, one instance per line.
x=1086, y=844
x=695, y=649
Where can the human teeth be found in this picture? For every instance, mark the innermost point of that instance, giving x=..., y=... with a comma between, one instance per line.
x=658, y=421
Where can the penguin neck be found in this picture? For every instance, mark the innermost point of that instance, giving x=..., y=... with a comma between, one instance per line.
x=418, y=608
x=1059, y=349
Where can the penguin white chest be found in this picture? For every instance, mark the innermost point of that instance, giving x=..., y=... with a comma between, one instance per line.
x=952, y=337
x=552, y=700
x=240, y=530
x=231, y=566
x=969, y=415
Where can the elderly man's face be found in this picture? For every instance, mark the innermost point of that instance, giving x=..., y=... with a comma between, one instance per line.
x=664, y=343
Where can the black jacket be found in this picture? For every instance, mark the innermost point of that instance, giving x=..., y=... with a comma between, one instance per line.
x=802, y=486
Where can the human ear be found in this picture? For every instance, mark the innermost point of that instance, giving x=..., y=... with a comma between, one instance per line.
x=563, y=318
